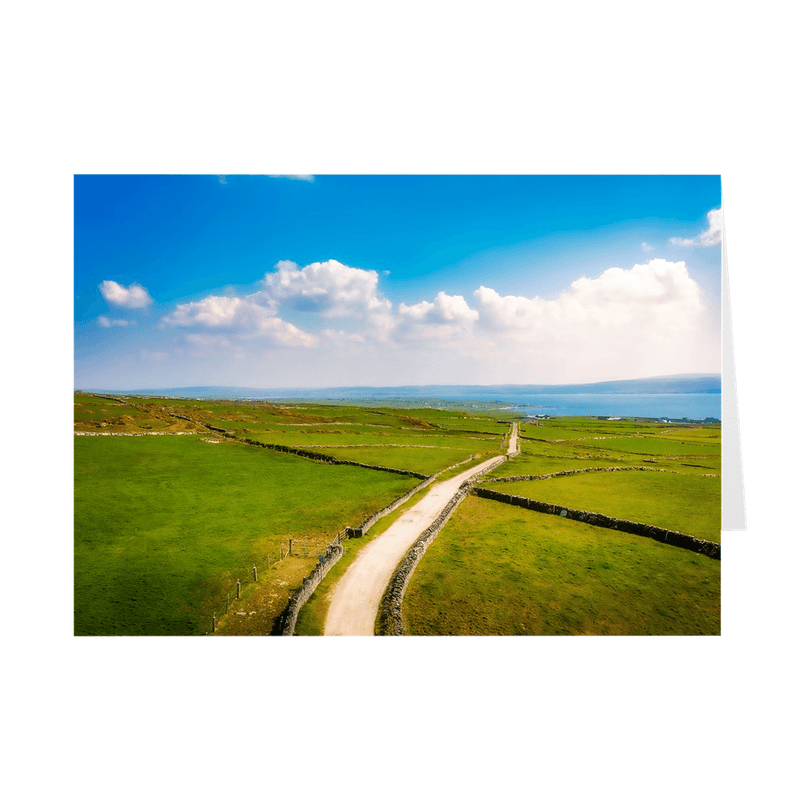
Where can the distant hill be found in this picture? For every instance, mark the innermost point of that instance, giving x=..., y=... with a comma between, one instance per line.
x=665, y=384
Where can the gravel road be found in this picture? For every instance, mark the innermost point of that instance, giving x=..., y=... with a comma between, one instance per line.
x=357, y=595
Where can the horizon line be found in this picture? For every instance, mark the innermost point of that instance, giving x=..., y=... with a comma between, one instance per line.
x=411, y=385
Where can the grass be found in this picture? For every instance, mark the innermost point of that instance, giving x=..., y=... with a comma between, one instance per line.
x=533, y=464
x=423, y=460
x=691, y=450
x=652, y=445
x=495, y=570
x=165, y=525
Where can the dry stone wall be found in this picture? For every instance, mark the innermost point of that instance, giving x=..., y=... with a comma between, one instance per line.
x=300, y=452
x=138, y=433
x=675, y=538
x=285, y=624
x=370, y=521
x=516, y=478
x=330, y=459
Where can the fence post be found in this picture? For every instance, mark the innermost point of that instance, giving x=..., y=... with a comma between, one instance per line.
x=238, y=588
x=214, y=624
x=255, y=573
x=290, y=546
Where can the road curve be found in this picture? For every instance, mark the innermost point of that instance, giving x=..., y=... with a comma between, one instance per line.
x=357, y=595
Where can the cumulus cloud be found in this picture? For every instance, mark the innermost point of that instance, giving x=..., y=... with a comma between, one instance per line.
x=445, y=316
x=326, y=289
x=445, y=308
x=646, y=320
x=649, y=319
x=216, y=312
x=133, y=296
x=710, y=236
x=246, y=317
x=617, y=298
x=329, y=288
x=106, y=322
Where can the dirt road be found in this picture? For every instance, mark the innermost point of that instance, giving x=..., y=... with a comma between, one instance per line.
x=357, y=596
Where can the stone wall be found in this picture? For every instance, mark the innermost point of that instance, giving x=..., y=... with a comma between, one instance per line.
x=297, y=451
x=514, y=478
x=370, y=521
x=330, y=459
x=139, y=433
x=287, y=621
x=675, y=538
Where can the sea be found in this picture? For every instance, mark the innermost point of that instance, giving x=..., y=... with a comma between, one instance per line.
x=692, y=406
x=663, y=406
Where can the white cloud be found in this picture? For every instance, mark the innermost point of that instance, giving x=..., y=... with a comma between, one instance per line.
x=213, y=312
x=328, y=288
x=615, y=299
x=647, y=247
x=646, y=320
x=245, y=317
x=106, y=322
x=710, y=236
x=445, y=308
x=445, y=316
x=134, y=296
x=309, y=178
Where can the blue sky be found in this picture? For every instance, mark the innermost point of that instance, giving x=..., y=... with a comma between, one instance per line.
x=327, y=280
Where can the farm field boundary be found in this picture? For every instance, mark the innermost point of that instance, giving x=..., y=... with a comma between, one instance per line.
x=279, y=447
x=137, y=433
x=517, y=478
x=675, y=538
x=296, y=451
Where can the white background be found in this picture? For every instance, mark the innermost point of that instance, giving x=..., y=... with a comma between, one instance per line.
x=439, y=87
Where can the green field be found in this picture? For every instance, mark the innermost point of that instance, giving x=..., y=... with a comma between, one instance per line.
x=164, y=525
x=499, y=570
x=686, y=503
x=656, y=445
x=543, y=457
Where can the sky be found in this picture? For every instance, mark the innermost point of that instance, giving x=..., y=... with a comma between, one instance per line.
x=272, y=281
